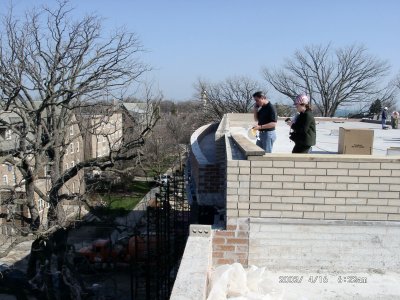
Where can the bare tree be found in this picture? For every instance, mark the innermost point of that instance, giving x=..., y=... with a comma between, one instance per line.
x=284, y=110
x=332, y=78
x=51, y=65
x=397, y=81
x=234, y=95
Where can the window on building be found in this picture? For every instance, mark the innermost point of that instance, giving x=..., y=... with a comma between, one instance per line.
x=77, y=147
x=15, y=178
x=73, y=187
x=40, y=204
x=72, y=164
x=46, y=170
x=8, y=134
x=71, y=130
x=71, y=147
x=5, y=179
x=66, y=167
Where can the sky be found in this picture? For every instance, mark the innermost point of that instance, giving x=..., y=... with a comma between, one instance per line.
x=186, y=40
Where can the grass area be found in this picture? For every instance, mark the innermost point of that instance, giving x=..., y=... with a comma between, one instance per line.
x=164, y=166
x=122, y=202
x=127, y=200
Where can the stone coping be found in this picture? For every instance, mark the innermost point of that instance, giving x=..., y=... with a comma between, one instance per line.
x=223, y=127
x=191, y=281
x=248, y=148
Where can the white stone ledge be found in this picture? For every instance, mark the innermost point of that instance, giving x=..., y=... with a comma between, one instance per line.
x=191, y=281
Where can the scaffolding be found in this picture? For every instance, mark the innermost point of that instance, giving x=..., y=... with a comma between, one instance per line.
x=148, y=263
x=166, y=232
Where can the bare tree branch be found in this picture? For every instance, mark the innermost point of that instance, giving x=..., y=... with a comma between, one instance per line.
x=234, y=95
x=50, y=66
x=331, y=78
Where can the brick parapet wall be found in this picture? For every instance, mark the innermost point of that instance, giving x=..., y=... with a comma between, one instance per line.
x=306, y=188
x=208, y=182
x=328, y=187
x=208, y=176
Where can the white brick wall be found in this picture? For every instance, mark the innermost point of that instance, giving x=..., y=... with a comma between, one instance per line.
x=328, y=187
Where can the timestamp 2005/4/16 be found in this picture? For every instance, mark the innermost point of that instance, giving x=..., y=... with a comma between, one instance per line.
x=322, y=279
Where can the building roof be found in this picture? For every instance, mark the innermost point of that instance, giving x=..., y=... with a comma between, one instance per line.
x=327, y=134
x=138, y=107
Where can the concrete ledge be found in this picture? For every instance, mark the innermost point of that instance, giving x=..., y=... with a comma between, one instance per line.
x=191, y=281
x=223, y=128
x=200, y=230
x=247, y=147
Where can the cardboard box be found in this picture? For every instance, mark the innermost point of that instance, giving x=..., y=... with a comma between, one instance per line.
x=355, y=141
x=393, y=151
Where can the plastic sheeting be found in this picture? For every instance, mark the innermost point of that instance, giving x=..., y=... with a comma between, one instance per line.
x=235, y=283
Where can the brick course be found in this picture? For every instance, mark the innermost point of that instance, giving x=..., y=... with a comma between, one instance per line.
x=231, y=245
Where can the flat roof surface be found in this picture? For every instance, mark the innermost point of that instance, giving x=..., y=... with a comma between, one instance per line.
x=327, y=135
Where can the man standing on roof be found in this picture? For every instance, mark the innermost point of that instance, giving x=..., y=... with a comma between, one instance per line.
x=384, y=117
x=265, y=114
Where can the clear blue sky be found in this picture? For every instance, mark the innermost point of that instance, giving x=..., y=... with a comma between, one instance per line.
x=216, y=39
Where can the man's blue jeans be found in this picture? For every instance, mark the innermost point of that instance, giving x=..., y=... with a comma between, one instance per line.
x=266, y=140
x=383, y=123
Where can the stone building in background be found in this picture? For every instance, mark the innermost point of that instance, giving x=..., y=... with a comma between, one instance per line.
x=12, y=186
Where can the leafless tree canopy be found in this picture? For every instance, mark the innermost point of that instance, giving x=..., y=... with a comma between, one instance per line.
x=331, y=77
x=234, y=95
x=397, y=81
x=164, y=148
x=50, y=65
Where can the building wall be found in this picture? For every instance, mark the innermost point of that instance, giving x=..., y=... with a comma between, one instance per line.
x=314, y=245
x=315, y=212
x=232, y=243
x=303, y=212
x=9, y=175
x=327, y=187
x=106, y=134
x=73, y=156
